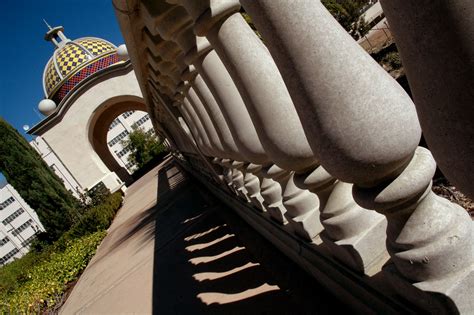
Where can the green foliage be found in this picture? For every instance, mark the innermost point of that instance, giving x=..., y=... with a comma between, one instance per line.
x=36, y=182
x=144, y=146
x=46, y=281
x=95, y=219
x=13, y=275
x=393, y=60
x=37, y=281
x=347, y=13
x=92, y=198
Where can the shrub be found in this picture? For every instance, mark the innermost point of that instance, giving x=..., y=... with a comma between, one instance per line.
x=46, y=281
x=95, y=219
x=13, y=275
x=393, y=60
x=37, y=280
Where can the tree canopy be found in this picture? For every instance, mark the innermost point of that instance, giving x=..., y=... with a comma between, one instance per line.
x=144, y=146
x=26, y=171
x=348, y=14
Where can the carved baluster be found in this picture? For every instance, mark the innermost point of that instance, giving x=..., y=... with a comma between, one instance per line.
x=205, y=120
x=364, y=130
x=175, y=24
x=435, y=42
x=185, y=128
x=192, y=120
x=266, y=98
x=168, y=24
x=354, y=245
x=429, y=238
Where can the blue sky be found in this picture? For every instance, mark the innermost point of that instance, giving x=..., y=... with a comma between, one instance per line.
x=25, y=52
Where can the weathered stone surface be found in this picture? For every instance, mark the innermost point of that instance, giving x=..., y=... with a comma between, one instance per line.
x=436, y=44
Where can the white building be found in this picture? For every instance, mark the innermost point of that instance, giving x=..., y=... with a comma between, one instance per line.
x=19, y=224
x=53, y=161
x=88, y=82
x=119, y=130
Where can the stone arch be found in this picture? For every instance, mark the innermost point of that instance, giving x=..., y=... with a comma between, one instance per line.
x=76, y=131
x=98, y=127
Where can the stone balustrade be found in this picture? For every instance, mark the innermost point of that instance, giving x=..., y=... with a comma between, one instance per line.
x=314, y=144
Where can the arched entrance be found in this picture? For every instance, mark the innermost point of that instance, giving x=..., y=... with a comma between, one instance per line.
x=76, y=132
x=99, y=127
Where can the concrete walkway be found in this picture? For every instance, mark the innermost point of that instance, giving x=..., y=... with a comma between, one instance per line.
x=173, y=249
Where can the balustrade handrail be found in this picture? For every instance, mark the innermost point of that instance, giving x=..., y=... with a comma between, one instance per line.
x=312, y=134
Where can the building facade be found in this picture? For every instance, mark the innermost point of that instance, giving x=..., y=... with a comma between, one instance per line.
x=88, y=83
x=19, y=225
x=119, y=131
x=58, y=167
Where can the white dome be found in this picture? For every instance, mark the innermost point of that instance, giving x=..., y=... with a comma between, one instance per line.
x=47, y=106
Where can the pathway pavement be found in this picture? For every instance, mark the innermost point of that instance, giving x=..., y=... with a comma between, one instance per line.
x=173, y=249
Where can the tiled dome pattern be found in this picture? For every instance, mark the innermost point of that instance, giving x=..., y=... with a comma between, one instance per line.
x=71, y=58
x=96, y=46
x=52, y=79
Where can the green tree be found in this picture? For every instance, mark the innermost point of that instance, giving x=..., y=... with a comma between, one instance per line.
x=144, y=146
x=348, y=14
x=26, y=171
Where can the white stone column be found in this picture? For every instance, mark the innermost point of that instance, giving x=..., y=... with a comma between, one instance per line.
x=364, y=130
x=217, y=118
x=266, y=98
x=191, y=121
x=241, y=126
x=174, y=24
x=436, y=44
x=205, y=121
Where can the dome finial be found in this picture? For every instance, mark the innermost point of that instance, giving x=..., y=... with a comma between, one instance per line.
x=56, y=35
x=49, y=26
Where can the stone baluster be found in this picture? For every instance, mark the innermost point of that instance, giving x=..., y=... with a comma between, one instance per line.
x=222, y=87
x=267, y=100
x=181, y=143
x=242, y=129
x=364, y=130
x=174, y=24
x=185, y=127
x=191, y=122
x=173, y=72
x=190, y=113
x=205, y=120
x=436, y=46
x=217, y=118
x=190, y=101
x=203, y=116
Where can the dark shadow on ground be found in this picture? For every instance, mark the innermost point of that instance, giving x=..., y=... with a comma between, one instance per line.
x=208, y=261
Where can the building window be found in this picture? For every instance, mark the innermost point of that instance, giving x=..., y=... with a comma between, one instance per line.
x=4, y=240
x=143, y=120
x=127, y=114
x=114, y=123
x=123, y=152
x=13, y=216
x=22, y=227
x=6, y=203
x=28, y=240
x=12, y=253
x=117, y=138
